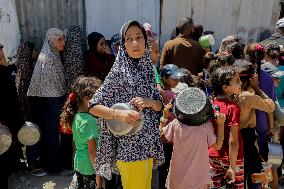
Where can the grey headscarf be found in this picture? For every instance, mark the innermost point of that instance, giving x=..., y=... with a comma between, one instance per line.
x=48, y=76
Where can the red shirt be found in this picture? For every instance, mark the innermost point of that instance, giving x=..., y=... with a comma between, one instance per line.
x=232, y=112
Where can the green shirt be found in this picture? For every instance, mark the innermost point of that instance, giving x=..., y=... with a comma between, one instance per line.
x=157, y=77
x=84, y=128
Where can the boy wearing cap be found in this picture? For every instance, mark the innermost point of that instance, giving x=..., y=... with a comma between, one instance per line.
x=170, y=75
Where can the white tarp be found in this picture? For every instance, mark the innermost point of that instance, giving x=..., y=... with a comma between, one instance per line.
x=9, y=27
x=107, y=17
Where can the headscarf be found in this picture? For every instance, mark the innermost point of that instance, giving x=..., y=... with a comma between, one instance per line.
x=93, y=40
x=127, y=79
x=227, y=41
x=73, y=61
x=24, y=72
x=48, y=76
x=114, y=41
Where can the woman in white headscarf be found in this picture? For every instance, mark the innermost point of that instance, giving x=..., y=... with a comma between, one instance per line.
x=47, y=91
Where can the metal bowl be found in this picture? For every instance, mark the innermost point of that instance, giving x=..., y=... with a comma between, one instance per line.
x=192, y=107
x=29, y=134
x=5, y=138
x=119, y=128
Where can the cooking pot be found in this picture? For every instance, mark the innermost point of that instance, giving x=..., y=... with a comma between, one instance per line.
x=119, y=128
x=192, y=107
x=5, y=138
x=29, y=134
x=275, y=154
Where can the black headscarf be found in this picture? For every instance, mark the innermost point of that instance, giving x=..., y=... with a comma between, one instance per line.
x=93, y=40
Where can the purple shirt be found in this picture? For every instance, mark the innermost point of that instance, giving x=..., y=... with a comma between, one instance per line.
x=266, y=84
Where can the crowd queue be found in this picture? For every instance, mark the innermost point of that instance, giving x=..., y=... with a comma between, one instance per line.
x=70, y=95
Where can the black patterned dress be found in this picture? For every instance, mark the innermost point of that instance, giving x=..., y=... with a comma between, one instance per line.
x=127, y=79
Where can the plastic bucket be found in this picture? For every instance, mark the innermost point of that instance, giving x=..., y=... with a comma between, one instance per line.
x=207, y=41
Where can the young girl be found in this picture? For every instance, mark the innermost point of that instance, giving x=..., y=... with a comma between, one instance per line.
x=85, y=130
x=250, y=99
x=155, y=55
x=227, y=163
x=189, y=168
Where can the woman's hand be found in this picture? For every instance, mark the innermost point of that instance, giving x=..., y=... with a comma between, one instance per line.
x=141, y=103
x=127, y=116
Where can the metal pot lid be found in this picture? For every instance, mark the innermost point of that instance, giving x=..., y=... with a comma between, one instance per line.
x=191, y=100
x=119, y=128
x=29, y=134
x=5, y=138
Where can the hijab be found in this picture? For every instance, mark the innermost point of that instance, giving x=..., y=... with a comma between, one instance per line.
x=129, y=78
x=48, y=75
x=93, y=41
x=73, y=61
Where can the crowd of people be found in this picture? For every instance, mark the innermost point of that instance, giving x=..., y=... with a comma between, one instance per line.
x=70, y=93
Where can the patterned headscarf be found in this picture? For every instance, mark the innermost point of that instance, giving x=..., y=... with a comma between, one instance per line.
x=73, y=55
x=48, y=76
x=227, y=41
x=24, y=72
x=127, y=79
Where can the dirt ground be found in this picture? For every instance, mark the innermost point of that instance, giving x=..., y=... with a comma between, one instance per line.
x=23, y=180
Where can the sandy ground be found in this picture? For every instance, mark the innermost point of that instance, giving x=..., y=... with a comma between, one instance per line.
x=23, y=180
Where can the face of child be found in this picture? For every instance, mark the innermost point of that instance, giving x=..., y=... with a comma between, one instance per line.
x=116, y=47
x=155, y=55
x=169, y=82
x=235, y=86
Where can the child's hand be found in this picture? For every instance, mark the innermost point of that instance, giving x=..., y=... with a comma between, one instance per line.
x=166, y=111
x=230, y=175
x=220, y=118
